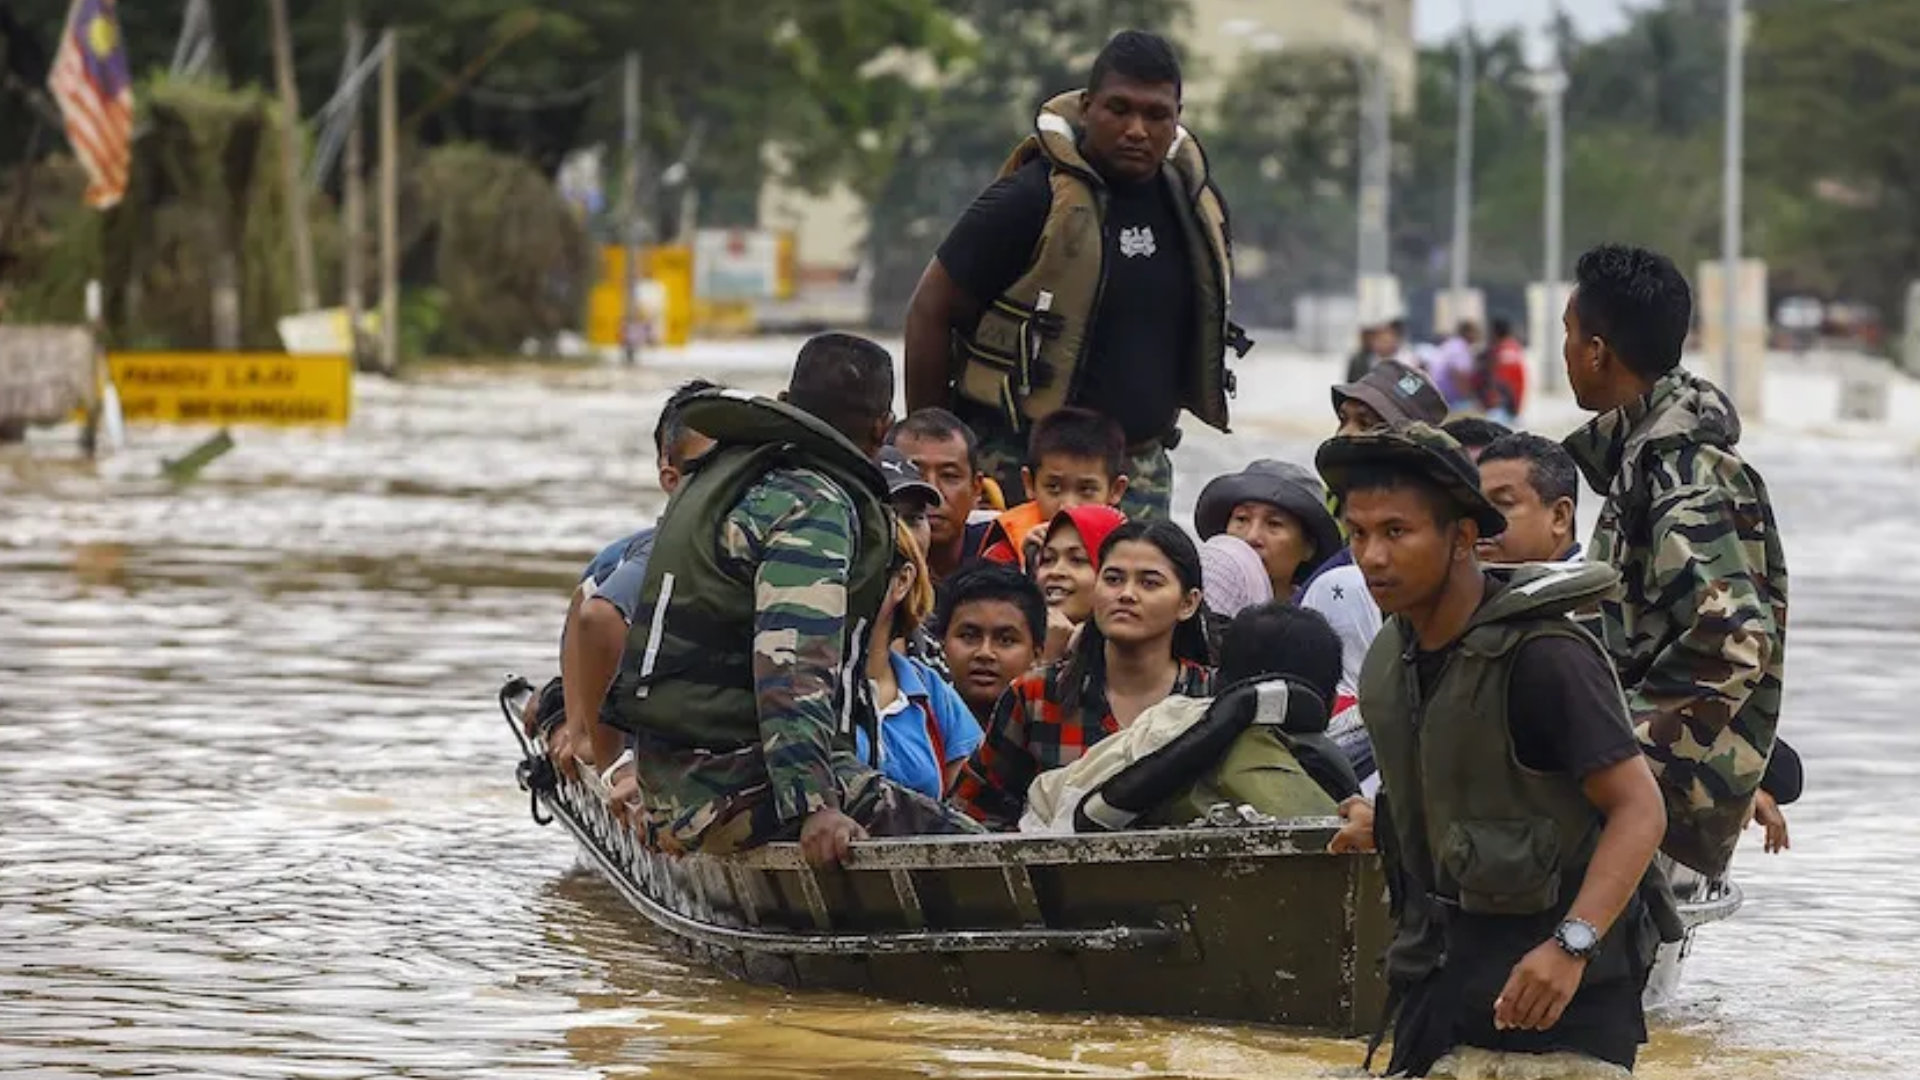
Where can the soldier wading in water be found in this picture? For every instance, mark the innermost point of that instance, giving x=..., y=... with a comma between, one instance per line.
x=1698, y=631
x=1095, y=272
x=742, y=681
x=1518, y=816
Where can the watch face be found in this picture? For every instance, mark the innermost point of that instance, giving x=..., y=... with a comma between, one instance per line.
x=1578, y=937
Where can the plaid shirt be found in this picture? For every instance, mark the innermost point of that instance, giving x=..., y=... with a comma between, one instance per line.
x=1032, y=732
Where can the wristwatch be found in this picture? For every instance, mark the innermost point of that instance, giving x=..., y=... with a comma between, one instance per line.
x=1578, y=938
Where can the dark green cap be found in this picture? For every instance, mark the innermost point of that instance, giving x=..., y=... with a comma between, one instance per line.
x=1417, y=448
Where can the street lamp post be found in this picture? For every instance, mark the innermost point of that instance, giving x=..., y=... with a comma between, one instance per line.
x=1463, y=172
x=1376, y=150
x=1731, y=195
x=1552, y=87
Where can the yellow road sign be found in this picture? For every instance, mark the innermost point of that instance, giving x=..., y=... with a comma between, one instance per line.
x=233, y=388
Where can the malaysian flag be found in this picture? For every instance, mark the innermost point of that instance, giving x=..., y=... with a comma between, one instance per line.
x=91, y=82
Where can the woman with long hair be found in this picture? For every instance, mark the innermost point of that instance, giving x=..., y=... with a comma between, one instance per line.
x=926, y=730
x=1144, y=643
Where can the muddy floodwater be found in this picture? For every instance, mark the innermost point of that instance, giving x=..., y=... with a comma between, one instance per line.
x=257, y=816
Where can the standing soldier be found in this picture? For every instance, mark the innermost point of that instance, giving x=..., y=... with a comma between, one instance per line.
x=1698, y=632
x=1095, y=272
x=741, y=681
x=1518, y=816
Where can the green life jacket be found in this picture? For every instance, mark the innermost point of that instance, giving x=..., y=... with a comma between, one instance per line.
x=686, y=676
x=1027, y=356
x=1472, y=826
x=1262, y=769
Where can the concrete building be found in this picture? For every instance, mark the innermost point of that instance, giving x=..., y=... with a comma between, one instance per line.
x=1222, y=34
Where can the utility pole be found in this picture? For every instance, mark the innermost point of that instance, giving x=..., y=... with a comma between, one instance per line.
x=1551, y=84
x=354, y=195
x=309, y=298
x=1376, y=152
x=390, y=201
x=630, y=212
x=1731, y=195
x=1463, y=171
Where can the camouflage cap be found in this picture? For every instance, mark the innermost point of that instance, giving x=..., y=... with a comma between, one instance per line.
x=1426, y=451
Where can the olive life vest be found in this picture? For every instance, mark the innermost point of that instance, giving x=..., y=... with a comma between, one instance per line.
x=1027, y=356
x=1472, y=828
x=1259, y=742
x=686, y=675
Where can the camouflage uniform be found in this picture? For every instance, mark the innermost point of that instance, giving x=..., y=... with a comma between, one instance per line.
x=791, y=534
x=1698, y=633
x=1149, y=471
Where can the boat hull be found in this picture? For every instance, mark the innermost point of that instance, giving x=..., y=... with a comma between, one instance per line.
x=1254, y=924
x=1251, y=924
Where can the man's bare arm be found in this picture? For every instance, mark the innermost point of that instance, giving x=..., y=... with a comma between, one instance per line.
x=937, y=308
x=603, y=638
x=1629, y=797
x=590, y=652
x=1545, y=980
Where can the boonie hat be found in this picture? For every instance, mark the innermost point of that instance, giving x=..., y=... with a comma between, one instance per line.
x=1283, y=484
x=1427, y=451
x=1400, y=394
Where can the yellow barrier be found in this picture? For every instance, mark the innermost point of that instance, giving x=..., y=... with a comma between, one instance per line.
x=233, y=388
x=672, y=267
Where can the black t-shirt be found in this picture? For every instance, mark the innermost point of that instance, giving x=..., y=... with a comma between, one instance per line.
x=1566, y=715
x=1144, y=329
x=1564, y=709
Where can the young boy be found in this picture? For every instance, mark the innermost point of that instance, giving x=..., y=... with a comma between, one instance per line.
x=1075, y=457
x=991, y=622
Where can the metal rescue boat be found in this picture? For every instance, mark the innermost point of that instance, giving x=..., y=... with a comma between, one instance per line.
x=1252, y=924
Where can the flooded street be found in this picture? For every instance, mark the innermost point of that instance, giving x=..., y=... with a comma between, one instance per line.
x=257, y=815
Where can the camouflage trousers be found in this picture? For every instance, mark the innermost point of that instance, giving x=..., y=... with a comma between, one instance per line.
x=746, y=817
x=1149, y=470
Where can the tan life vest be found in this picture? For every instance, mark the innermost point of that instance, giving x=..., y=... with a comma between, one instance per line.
x=1026, y=357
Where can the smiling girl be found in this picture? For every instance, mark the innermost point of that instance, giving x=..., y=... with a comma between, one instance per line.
x=1066, y=571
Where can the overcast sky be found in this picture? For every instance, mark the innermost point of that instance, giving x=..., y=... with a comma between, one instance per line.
x=1437, y=20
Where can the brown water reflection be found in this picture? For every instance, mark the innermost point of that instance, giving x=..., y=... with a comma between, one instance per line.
x=256, y=817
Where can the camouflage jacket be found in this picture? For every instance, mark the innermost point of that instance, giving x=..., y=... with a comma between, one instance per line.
x=1698, y=630
x=792, y=534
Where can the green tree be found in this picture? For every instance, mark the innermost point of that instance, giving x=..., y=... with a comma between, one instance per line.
x=1284, y=150
x=1506, y=163
x=1834, y=96
x=1013, y=58
x=799, y=76
x=1663, y=72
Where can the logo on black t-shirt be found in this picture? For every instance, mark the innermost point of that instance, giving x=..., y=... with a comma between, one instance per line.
x=1137, y=241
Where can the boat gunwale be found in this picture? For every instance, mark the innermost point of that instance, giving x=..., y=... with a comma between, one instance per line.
x=1308, y=836
x=663, y=914
x=1299, y=837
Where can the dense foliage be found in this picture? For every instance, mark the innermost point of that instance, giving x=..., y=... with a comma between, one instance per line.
x=914, y=103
